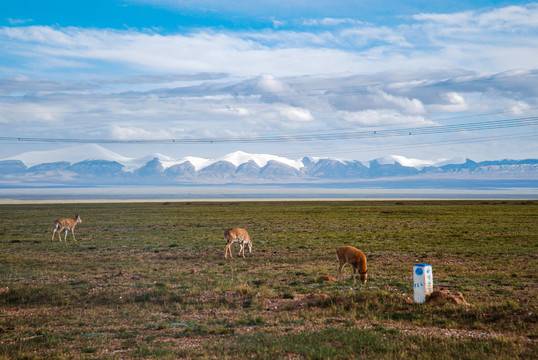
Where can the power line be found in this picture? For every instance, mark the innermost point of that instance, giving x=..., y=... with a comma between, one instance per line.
x=322, y=136
x=421, y=144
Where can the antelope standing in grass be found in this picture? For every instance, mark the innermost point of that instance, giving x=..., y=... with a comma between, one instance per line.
x=240, y=236
x=65, y=224
x=355, y=258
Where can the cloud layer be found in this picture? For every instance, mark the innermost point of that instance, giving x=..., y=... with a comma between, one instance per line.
x=309, y=75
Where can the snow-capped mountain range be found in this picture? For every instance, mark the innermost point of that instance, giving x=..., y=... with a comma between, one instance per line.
x=94, y=164
x=96, y=152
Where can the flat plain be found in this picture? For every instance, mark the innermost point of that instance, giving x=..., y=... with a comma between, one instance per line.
x=149, y=280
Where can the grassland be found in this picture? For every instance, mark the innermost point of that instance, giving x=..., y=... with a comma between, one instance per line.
x=149, y=280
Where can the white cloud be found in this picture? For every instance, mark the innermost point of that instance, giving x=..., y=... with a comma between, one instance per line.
x=19, y=21
x=455, y=99
x=192, y=53
x=406, y=105
x=446, y=19
x=507, y=18
x=511, y=17
x=268, y=83
x=434, y=41
x=322, y=75
x=331, y=22
x=381, y=117
x=33, y=113
x=453, y=102
x=234, y=111
x=362, y=36
x=130, y=132
x=296, y=114
x=520, y=107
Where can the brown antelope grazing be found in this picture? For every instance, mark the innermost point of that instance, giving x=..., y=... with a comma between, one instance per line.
x=66, y=224
x=355, y=258
x=240, y=236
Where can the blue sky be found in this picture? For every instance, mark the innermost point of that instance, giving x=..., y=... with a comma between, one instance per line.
x=294, y=78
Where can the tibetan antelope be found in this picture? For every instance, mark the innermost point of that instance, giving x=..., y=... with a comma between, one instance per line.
x=240, y=236
x=355, y=258
x=66, y=224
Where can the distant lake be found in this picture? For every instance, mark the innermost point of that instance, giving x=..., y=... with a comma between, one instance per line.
x=369, y=190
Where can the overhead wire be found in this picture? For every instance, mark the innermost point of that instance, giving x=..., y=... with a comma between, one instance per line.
x=325, y=136
x=328, y=135
x=360, y=89
x=416, y=144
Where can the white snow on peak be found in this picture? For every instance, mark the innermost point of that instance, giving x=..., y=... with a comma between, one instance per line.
x=71, y=154
x=165, y=160
x=392, y=159
x=416, y=163
x=315, y=159
x=454, y=161
x=237, y=158
x=197, y=162
x=83, y=152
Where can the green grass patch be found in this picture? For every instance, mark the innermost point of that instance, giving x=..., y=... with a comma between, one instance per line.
x=149, y=280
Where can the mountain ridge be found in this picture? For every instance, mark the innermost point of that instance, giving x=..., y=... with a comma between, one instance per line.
x=80, y=165
x=96, y=152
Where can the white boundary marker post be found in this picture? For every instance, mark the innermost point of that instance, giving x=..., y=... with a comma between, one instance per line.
x=423, y=282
